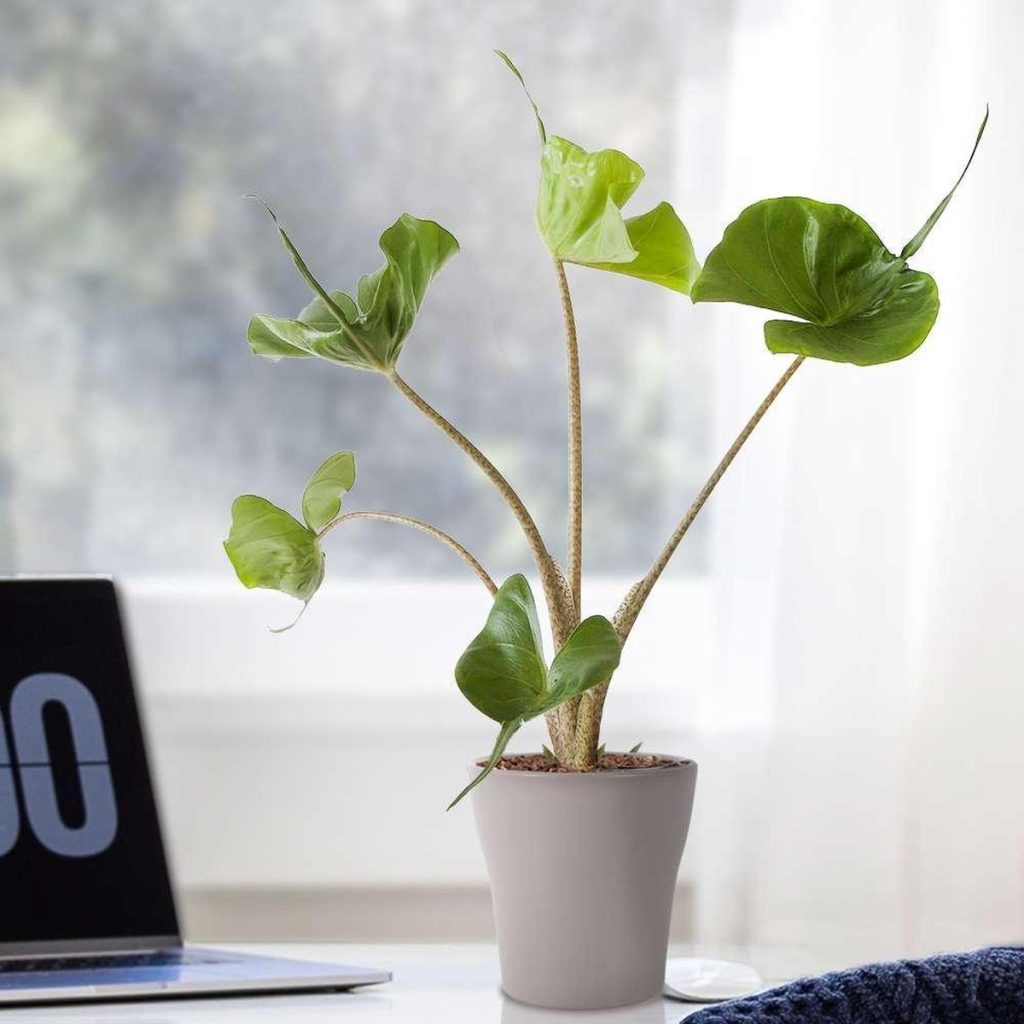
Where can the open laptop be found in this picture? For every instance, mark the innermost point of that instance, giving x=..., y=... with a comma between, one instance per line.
x=86, y=906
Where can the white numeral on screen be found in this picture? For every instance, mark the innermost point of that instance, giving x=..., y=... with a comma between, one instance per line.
x=35, y=771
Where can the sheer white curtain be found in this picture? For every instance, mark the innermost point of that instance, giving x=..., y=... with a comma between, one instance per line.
x=863, y=735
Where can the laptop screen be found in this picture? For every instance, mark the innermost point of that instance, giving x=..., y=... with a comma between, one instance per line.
x=81, y=856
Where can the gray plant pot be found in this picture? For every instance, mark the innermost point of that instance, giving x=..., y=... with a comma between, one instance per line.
x=582, y=870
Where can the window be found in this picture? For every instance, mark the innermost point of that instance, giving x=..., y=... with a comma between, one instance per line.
x=131, y=412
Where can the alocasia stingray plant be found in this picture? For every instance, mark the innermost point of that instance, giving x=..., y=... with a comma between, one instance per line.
x=846, y=297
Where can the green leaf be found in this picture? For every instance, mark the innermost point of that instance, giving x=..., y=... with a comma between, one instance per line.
x=547, y=752
x=541, y=130
x=503, y=673
x=635, y=749
x=665, y=253
x=321, y=501
x=578, y=207
x=918, y=240
x=507, y=731
x=579, y=213
x=367, y=332
x=270, y=548
x=823, y=263
x=588, y=657
x=600, y=752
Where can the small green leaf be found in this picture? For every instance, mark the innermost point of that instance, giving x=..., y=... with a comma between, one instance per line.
x=823, y=263
x=600, y=752
x=507, y=731
x=579, y=213
x=368, y=332
x=547, y=752
x=270, y=548
x=503, y=673
x=918, y=240
x=588, y=657
x=541, y=130
x=636, y=748
x=321, y=501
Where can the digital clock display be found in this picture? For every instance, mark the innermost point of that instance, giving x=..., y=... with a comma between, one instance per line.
x=81, y=856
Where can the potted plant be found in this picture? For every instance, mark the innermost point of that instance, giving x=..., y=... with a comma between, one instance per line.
x=582, y=846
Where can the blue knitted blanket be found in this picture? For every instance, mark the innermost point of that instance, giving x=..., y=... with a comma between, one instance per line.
x=984, y=987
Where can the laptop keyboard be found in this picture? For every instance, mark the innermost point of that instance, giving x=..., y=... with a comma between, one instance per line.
x=116, y=961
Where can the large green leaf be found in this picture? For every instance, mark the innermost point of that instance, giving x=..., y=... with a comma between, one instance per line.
x=270, y=548
x=857, y=302
x=321, y=501
x=366, y=332
x=503, y=672
x=823, y=263
x=504, y=675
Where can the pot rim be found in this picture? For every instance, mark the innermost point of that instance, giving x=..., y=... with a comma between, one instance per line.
x=678, y=762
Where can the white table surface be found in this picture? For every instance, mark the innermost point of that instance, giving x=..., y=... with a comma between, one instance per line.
x=448, y=984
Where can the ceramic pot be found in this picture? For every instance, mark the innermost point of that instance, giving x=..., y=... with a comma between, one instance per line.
x=583, y=869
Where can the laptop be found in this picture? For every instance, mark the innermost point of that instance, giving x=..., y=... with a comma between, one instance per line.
x=88, y=910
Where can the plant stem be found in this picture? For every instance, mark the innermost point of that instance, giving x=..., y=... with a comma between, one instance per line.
x=575, y=559
x=634, y=601
x=586, y=736
x=567, y=713
x=418, y=524
x=559, y=598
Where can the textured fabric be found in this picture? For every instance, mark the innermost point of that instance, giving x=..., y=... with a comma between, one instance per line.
x=984, y=987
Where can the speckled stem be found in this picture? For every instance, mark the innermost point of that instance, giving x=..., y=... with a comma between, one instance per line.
x=583, y=754
x=634, y=601
x=557, y=593
x=575, y=545
x=418, y=524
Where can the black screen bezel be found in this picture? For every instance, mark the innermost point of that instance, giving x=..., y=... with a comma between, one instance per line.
x=98, y=597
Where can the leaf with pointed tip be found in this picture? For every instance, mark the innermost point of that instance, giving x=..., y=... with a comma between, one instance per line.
x=635, y=749
x=546, y=751
x=600, y=752
x=503, y=672
x=505, y=733
x=541, y=130
x=321, y=500
x=579, y=213
x=368, y=332
x=918, y=240
x=271, y=549
x=823, y=263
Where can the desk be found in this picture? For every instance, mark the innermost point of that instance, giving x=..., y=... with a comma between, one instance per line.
x=432, y=985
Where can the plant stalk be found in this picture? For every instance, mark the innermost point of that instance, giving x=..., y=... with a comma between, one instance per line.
x=418, y=524
x=575, y=546
x=634, y=601
x=557, y=592
x=567, y=713
x=588, y=719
